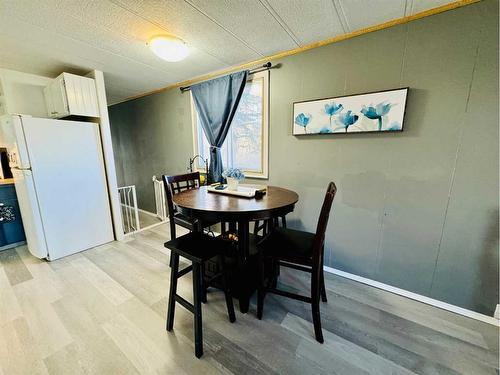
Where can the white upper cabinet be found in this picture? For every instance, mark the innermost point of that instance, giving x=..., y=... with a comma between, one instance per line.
x=70, y=94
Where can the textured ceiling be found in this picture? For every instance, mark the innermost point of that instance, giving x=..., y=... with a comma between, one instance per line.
x=47, y=37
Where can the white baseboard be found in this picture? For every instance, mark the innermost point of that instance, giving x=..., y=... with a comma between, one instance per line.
x=147, y=228
x=10, y=246
x=418, y=297
x=497, y=312
x=141, y=210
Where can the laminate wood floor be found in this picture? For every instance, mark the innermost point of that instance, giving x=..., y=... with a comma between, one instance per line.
x=146, y=219
x=102, y=311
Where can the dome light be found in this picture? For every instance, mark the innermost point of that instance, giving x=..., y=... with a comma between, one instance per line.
x=169, y=48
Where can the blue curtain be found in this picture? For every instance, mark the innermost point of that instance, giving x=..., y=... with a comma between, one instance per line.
x=216, y=102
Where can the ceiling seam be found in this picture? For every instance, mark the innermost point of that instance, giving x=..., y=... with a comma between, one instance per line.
x=281, y=22
x=106, y=51
x=382, y=26
x=335, y=15
x=341, y=14
x=28, y=68
x=223, y=27
x=118, y=3
x=90, y=45
x=408, y=8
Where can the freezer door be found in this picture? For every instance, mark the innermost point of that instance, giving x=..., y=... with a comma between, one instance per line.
x=30, y=213
x=70, y=183
x=12, y=135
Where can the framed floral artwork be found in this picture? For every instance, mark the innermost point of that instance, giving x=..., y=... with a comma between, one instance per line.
x=381, y=111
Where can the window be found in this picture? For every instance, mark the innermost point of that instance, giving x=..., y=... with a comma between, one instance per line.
x=246, y=144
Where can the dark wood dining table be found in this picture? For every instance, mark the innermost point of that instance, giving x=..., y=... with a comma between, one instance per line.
x=204, y=206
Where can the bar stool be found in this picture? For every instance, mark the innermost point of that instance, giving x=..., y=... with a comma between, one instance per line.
x=197, y=248
x=302, y=251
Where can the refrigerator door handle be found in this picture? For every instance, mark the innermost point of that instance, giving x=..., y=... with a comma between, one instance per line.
x=30, y=212
x=22, y=170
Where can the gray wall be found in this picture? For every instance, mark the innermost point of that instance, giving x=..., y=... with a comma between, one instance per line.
x=418, y=209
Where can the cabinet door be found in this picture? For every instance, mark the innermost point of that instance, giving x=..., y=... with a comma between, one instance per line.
x=82, y=95
x=10, y=222
x=59, y=99
x=70, y=94
x=55, y=98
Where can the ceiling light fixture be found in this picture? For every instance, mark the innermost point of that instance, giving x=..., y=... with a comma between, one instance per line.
x=169, y=48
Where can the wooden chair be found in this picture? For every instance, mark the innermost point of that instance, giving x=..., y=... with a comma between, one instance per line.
x=264, y=225
x=261, y=229
x=302, y=251
x=198, y=248
x=174, y=185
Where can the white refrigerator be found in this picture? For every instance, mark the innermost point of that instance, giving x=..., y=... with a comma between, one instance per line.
x=60, y=181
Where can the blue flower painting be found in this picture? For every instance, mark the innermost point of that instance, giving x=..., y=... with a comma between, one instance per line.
x=347, y=119
x=332, y=108
x=303, y=120
x=381, y=111
x=394, y=127
x=377, y=112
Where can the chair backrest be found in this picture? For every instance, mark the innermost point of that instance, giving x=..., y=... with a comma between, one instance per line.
x=176, y=184
x=319, y=238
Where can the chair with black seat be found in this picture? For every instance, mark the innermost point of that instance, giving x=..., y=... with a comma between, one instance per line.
x=263, y=225
x=261, y=228
x=175, y=185
x=302, y=251
x=198, y=248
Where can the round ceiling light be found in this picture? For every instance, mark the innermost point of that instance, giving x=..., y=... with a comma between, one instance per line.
x=169, y=48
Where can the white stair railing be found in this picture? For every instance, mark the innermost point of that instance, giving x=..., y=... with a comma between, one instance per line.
x=129, y=209
x=161, y=203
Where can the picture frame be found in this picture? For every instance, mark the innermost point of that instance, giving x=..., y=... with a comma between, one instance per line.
x=370, y=112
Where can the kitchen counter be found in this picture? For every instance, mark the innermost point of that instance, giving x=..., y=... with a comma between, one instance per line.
x=6, y=181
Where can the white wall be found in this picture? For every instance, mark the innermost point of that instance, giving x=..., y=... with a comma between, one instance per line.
x=23, y=93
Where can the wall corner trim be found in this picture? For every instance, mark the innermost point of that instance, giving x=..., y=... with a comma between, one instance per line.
x=417, y=297
x=108, y=155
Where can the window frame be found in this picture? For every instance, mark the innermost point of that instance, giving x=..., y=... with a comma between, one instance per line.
x=264, y=172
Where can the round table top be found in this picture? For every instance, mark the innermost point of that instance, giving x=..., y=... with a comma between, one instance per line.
x=200, y=200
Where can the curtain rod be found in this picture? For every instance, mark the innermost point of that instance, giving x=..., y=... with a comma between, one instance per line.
x=262, y=68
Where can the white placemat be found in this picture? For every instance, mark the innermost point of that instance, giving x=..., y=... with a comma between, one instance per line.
x=243, y=191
